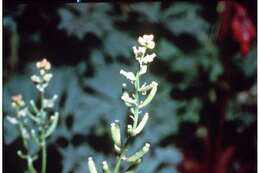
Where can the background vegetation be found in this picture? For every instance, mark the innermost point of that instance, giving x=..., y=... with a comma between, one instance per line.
x=203, y=118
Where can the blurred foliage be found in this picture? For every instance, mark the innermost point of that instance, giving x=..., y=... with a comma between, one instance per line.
x=188, y=69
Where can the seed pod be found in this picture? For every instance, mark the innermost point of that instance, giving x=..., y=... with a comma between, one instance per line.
x=115, y=132
x=139, y=154
x=54, y=122
x=141, y=125
x=150, y=97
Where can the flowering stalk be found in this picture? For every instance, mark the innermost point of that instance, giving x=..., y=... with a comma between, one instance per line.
x=135, y=103
x=33, y=123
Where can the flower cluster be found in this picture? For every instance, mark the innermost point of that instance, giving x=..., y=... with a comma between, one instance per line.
x=45, y=76
x=135, y=104
x=33, y=123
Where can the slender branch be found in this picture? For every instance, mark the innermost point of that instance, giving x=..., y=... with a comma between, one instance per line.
x=44, y=156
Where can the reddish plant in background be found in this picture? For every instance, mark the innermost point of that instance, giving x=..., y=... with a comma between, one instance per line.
x=234, y=19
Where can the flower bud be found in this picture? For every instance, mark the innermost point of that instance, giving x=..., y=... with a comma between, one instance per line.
x=130, y=129
x=91, y=165
x=105, y=167
x=36, y=79
x=47, y=77
x=128, y=75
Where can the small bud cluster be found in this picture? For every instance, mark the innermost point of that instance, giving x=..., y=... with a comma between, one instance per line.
x=32, y=121
x=41, y=81
x=135, y=104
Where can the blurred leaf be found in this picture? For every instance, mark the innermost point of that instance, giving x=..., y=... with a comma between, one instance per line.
x=152, y=15
x=216, y=71
x=163, y=122
x=167, y=50
x=88, y=18
x=169, y=155
x=192, y=110
x=73, y=156
x=247, y=65
x=236, y=113
x=97, y=58
x=165, y=156
x=118, y=44
x=183, y=18
x=179, y=8
x=10, y=132
x=169, y=169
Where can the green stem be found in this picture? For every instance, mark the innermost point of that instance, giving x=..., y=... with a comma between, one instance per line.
x=30, y=165
x=117, y=165
x=43, y=139
x=136, y=111
x=119, y=159
x=44, y=156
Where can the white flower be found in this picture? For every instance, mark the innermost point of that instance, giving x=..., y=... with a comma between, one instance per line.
x=12, y=120
x=139, y=52
x=47, y=77
x=147, y=41
x=25, y=133
x=36, y=79
x=128, y=75
x=148, y=58
x=41, y=87
x=22, y=112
